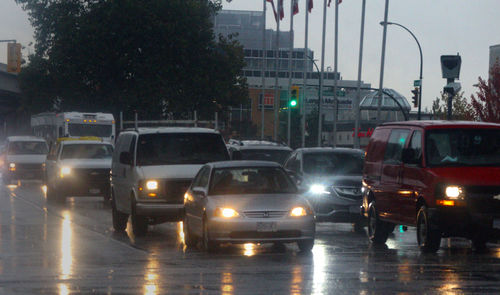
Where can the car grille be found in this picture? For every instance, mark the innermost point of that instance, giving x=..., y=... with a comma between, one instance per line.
x=265, y=214
x=174, y=190
x=351, y=193
x=265, y=235
x=27, y=166
x=483, y=199
x=91, y=175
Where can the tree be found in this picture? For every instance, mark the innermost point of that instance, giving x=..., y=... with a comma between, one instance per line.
x=153, y=56
x=461, y=109
x=486, y=103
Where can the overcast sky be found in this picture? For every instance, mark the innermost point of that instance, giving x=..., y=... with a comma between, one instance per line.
x=468, y=27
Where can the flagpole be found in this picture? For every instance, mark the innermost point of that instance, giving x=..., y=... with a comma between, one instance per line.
x=358, y=91
x=335, y=81
x=320, y=102
x=276, y=89
x=381, y=85
x=290, y=72
x=263, y=72
x=306, y=63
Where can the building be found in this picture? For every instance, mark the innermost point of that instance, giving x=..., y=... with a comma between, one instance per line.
x=494, y=55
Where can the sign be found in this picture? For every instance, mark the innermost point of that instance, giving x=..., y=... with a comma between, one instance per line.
x=417, y=83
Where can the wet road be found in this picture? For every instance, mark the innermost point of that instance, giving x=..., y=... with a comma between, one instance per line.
x=71, y=248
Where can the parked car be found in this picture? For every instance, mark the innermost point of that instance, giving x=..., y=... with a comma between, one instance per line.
x=24, y=158
x=441, y=177
x=330, y=179
x=246, y=201
x=152, y=169
x=78, y=168
x=258, y=150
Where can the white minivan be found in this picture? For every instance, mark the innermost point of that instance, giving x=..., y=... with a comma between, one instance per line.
x=152, y=169
x=24, y=158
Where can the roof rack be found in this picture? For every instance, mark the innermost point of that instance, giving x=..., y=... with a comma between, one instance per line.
x=255, y=141
x=79, y=138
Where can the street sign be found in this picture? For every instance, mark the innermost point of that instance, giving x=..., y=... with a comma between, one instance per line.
x=417, y=83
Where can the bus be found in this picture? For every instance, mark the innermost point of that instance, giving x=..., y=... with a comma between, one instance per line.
x=74, y=124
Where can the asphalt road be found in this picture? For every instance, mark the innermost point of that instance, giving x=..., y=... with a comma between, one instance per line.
x=72, y=249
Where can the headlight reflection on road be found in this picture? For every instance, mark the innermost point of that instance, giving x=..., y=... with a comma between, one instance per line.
x=151, y=277
x=296, y=286
x=227, y=287
x=44, y=190
x=63, y=289
x=66, y=247
x=319, y=266
x=249, y=249
x=180, y=231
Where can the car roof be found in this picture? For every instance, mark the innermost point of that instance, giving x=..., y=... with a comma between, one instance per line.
x=155, y=130
x=429, y=124
x=262, y=147
x=25, y=138
x=329, y=149
x=238, y=164
x=74, y=142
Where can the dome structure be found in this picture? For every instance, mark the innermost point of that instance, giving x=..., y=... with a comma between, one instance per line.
x=370, y=101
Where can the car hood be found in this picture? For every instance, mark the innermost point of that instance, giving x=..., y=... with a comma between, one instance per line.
x=168, y=171
x=25, y=159
x=87, y=163
x=260, y=202
x=467, y=175
x=337, y=180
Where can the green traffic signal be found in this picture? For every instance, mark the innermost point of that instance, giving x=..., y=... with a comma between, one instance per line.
x=293, y=103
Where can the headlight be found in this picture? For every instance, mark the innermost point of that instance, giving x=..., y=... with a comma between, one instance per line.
x=12, y=166
x=318, y=189
x=454, y=192
x=298, y=211
x=226, y=212
x=152, y=185
x=65, y=171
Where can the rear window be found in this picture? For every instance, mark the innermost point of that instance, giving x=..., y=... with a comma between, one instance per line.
x=27, y=148
x=180, y=148
x=333, y=163
x=278, y=156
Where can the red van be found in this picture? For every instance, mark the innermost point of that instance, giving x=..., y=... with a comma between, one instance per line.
x=441, y=176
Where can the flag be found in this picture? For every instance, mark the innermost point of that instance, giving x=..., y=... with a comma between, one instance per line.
x=330, y=1
x=274, y=9
x=310, y=5
x=280, y=9
x=295, y=7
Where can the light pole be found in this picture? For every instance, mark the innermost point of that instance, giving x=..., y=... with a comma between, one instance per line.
x=319, y=99
x=421, y=64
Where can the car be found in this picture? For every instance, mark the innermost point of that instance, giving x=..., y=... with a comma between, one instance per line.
x=442, y=177
x=246, y=201
x=330, y=178
x=258, y=150
x=76, y=167
x=152, y=169
x=24, y=158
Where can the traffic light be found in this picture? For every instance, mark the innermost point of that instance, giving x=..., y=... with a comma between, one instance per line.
x=414, y=98
x=294, y=97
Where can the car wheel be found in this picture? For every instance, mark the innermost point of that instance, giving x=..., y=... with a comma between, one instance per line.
x=189, y=240
x=428, y=236
x=139, y=223
x=378, y=230
x=305, y=245
x=119, y=219
x=208, y=244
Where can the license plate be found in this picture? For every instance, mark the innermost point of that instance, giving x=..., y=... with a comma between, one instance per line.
x=496, y=223
x=266, y=226
x=94, y=190
x=354, y=209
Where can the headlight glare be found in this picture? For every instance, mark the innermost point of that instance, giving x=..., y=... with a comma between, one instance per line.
x=152, y=185
x=12, y=166
x=318, y=189
x=65, y=171
x=298, y=211
x=453, y=192
x=227, y=212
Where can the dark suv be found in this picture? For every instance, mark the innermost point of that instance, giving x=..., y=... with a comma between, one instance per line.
x=442, y=177
x=260, y=150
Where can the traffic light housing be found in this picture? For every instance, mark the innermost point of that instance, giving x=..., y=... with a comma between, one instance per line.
x=414, y=98
x=294, y=96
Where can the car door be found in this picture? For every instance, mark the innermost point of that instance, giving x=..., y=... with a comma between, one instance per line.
x=390, y=179
x=119, y=173
x=51, y=167
x=412, y=180
x=199, y=199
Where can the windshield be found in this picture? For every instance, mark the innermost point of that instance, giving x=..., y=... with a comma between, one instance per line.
x=265, y=180
x=27, y=148
x=87, y=151
x=278, y=156
x=89, y=130
x=180, y=148
x=463, y=147
x=334, y=163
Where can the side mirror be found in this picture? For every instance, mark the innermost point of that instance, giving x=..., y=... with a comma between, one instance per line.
x=237, y=155
x=408, y=156
x=125, y=158
x=199, y=192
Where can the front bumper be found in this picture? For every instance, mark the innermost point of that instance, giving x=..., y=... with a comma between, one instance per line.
x=242, y=230
x=75, y=187
x=331, y=207
x=24, y=174
x=170, y=212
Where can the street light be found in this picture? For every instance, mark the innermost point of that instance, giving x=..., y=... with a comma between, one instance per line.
x=421, y=63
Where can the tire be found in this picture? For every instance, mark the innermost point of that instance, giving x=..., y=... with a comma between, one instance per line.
x=305, y=245
x=208, y=244
x=378, y=230
x=189, y=239
x=479, y=243
x=428, y=235
x=119, y=219
x=139, y=223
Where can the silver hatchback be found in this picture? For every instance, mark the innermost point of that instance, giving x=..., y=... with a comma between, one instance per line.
x=246, y=201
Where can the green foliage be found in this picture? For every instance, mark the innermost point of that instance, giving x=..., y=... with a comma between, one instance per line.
x=461, y=108
x=153, y=56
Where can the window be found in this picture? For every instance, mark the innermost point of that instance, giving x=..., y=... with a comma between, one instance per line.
x=416, y=144
x=89, y=130
x=87, y=151
x=27, y=148
x=395, y=146
x=333, y=163
x=201, y=179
